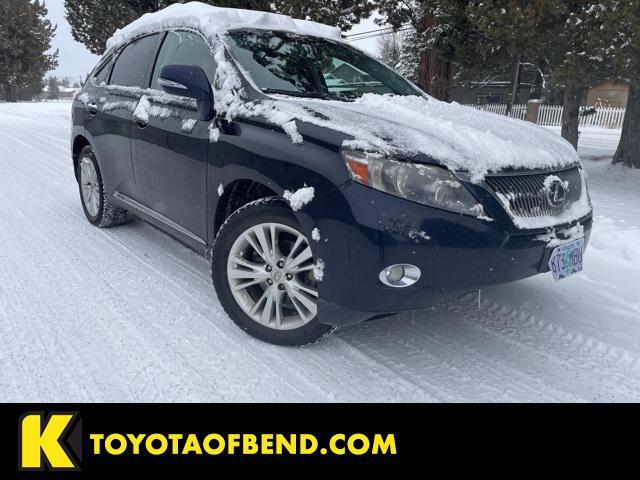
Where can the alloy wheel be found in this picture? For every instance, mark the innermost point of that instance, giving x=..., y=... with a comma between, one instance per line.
x=90, y=186
x=270, y=273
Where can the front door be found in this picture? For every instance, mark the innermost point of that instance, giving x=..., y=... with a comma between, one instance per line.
x=170, y=145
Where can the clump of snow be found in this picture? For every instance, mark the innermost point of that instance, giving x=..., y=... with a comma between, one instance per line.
x=82, y=98
x=119, y=105
x=318, y=270
x=211, y=21
x=143, y=110
x=220, y=190
x=188, y=125
x=315, y=235
x=214, y=133
x=291, y=129
x=299, y=198
x=418, y=235
x=567, y=234
x=551, y=179
x=479, y=212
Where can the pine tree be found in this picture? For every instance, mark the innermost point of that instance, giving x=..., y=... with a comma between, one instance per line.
x=341, y=13
x=390, y=48
x=30, y=91
x=25, y=38
x=512, y=32
x=575, y=61
x=441, y=37
x=53, y=92
x=93, y=22
x=619, y=43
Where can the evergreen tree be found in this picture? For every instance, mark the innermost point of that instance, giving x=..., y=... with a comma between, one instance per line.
x=53, y=92
x=25, y=38
x=619, y=44
x=93, y=22
x=575, y=61
x=341, y=13
x=31, y=91
x=441, y=36
x=390, y=48
x=512, y=32
x=398, y=51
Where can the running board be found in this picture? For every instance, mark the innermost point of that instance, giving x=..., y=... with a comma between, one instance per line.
x=158, y=217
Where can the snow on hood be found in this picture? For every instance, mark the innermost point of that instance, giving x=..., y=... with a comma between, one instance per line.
x=211, y=21
x=460, y=138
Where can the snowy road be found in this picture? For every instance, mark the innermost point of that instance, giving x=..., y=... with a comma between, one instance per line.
x=128, y=314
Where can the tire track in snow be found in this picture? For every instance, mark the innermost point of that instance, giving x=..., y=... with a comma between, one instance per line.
x=118, y=313
x=180, y=345
x=243, y=339
x=605, y=372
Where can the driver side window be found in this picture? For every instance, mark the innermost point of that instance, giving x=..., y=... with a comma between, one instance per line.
x=184, y=48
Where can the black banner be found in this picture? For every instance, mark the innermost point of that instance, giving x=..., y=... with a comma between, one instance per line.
x=49, y=441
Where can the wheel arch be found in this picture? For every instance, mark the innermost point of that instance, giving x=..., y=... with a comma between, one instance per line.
x=237, y=194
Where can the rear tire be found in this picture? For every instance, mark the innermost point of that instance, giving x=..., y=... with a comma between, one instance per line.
x=97, y=208
x=280, y=307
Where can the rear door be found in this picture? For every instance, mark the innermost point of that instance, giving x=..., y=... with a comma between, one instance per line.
x=170, y=146
x=116, y=103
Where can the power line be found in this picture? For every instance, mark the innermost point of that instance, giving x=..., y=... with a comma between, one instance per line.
x=379, y=33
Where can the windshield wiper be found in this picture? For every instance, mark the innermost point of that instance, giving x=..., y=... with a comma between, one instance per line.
x=293, y=93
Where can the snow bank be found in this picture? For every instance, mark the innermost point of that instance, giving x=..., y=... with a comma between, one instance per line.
x=41, y=111
x=212, y=21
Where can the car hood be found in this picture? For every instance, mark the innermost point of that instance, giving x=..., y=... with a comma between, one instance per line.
x=460, y=138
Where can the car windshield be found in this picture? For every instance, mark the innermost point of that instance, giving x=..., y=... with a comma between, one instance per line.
x=304, y=66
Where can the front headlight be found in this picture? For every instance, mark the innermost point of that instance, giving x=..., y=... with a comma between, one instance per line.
x=426, y=184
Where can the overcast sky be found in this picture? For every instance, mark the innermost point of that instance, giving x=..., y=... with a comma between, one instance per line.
x=76, y=61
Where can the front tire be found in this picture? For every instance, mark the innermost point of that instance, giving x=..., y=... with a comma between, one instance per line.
x=97, y=208
x=263, y=272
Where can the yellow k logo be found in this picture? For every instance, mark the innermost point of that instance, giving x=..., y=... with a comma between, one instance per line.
x=37, y=442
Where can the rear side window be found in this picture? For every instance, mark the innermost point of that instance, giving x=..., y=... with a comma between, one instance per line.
x=102, y=75
x=132, y=65
x=184, y=48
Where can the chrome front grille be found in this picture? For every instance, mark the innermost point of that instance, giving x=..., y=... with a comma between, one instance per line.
x=525, y=195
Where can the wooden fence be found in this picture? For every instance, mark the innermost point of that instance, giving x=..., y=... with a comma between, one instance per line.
x=551, y=115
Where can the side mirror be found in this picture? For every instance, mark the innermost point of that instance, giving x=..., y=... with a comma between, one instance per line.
x=189, y=81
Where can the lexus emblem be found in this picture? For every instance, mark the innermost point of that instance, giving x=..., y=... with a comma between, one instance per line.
x=556, y=193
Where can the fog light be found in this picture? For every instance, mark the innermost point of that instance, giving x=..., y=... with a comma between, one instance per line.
x=399, y=276
x=395, y=273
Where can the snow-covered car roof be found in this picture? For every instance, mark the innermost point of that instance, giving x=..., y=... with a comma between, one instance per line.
x=211, y=21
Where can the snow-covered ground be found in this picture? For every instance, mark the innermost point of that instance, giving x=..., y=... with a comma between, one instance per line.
x=128, y=314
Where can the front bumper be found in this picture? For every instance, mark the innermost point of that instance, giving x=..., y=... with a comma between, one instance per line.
x=363, y=231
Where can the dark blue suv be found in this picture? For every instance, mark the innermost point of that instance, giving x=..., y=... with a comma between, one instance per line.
x=327, y=189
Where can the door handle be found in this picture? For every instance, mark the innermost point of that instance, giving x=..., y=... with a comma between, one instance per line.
x=92, y=108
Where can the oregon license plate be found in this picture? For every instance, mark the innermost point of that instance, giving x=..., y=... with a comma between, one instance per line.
x=567, y=259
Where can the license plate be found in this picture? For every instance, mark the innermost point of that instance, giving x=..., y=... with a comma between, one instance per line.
x=567, y=259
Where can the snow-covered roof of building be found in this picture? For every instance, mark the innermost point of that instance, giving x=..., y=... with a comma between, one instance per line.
x=212, y=20
x=61, y=89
